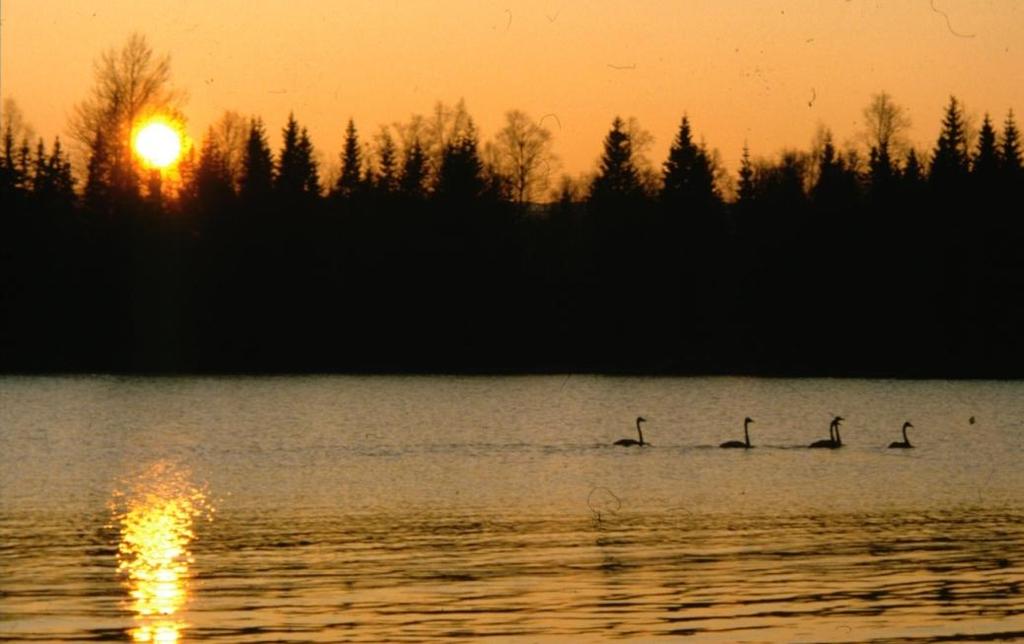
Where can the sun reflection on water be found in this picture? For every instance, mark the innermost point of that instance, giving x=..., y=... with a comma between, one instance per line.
x=156, y=516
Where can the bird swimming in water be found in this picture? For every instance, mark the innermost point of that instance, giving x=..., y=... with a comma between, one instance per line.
x=745, y=443
x=833, y=441
x=905, y=443
x=629, y=442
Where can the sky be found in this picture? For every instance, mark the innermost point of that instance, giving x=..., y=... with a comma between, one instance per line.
x=763, y=72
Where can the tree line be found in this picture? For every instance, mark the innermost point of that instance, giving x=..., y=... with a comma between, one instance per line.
x=429, y=251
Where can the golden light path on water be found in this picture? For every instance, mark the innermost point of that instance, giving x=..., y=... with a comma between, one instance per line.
x=156, y=516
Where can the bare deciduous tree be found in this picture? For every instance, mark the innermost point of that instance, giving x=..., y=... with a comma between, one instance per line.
x=131, y=83
x=14, y=123
x=230, y=134
x=524, y=156
x=885, y=124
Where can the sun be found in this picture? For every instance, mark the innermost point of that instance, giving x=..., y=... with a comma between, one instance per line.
x=158, y=144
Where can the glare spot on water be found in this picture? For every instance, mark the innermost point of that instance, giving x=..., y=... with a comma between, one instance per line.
x=155, y=514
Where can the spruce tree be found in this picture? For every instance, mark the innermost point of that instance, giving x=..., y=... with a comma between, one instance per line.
x=880, y=171
x=413, y=180
x=950, y=160
x=1009, y=149
x=985, y=166
x=8, y=170
x=61, y=180
x=386, y=181
x=912, y=175
x=97, y=186
x=40, y=177
x=618, y=178
x=308, y=166
x=212, y=178
x=350, y=182
x=289, y=180
x=257, y=167
x=461, y=176
x=745, y=190
x=688, y=178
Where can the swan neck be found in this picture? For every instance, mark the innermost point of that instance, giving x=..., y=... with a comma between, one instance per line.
x=746, y=434
x=905, y=439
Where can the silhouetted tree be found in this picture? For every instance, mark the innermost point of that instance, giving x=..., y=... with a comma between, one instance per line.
x=880, y=173
x=386, y=180
x=745, y=189
x=257, y=167
x=53, y=186
x=97, y=195
x=1009, y=148
x=297, y=178
x=130, y=83
x=231, y=134
x=985, y=165
x=950, y=160
x=214, y=187
x=912, y=175
x=617, y=179
x=836, y=186
x=525, y=156
x=688, y=177
x=461, y=177
x=350, y=182
x=885, y=124
x=413, y=181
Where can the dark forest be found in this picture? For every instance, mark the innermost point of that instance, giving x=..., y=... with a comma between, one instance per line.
x=428, y=255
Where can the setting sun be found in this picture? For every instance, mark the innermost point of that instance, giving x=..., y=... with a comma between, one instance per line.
x=158, y=144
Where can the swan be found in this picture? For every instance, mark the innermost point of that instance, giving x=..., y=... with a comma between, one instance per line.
x=629, y=442
x=746, y=436
x=905, y=443
x=833, y=441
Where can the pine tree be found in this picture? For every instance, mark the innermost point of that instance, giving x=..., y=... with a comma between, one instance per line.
x=308, y=166
x=350, y=182
x=413, y=180
x=40, y=176
x=24, y=167
x=213, y=186
x=387, y=166
x=97, y=182
x=62, y=180
x=950, y=159
x=985, y=167
x=257, y=166
x=618, y=178
x=289, y=177
x=8, y=170
x=912, y=174
x=1009, y=148
x=461, y=176
x=688, y=178
x=881, y=171
x=745, y=190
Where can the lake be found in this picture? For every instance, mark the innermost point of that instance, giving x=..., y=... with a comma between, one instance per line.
x=424, y=507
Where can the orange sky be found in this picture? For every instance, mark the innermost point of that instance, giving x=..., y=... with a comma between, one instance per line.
x=767, y=72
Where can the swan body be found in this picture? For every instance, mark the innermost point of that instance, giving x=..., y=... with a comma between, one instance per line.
x=905, y=443
x=629, y=442
x=833, y=441
x=745, y=443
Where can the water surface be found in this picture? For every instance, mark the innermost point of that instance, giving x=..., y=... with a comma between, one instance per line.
x=417, y=508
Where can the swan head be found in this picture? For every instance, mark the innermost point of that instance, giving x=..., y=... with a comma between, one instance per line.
x=748, y=420
x=837, y=420
x=640, y=419
x=907, y=424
